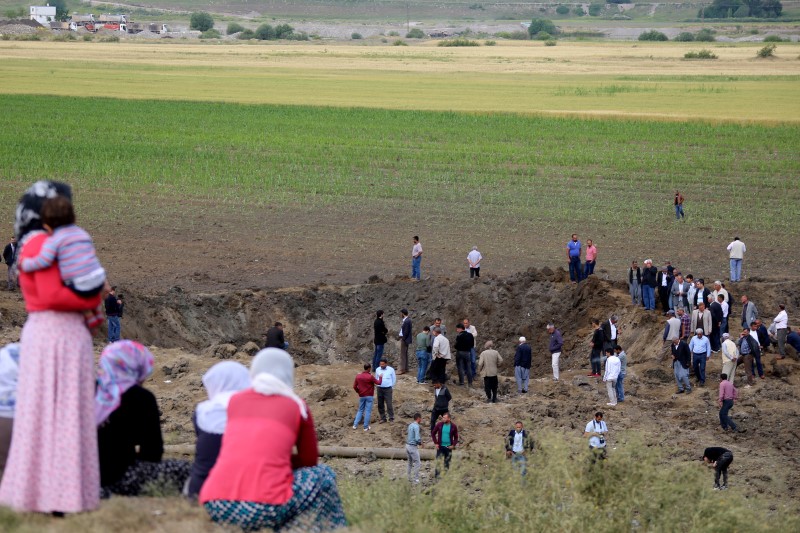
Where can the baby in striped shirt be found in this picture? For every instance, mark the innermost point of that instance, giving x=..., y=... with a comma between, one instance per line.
x=72, y=248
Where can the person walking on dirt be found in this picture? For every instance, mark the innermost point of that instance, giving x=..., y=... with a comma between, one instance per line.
x=679, y=206
x=113, y=313
x=635, y=283
x=730, y=356
x=623, y=370
x=416, y=259
x=465, y=342
x=423, y=353
x=701, y=352
x=613, y=366
x=591, y=259
x=473, y=354
x=413, y=444
x=748, y=348
x=736, y=251
x=364, y=385
x=555, y=346
x=781, y=324
x=597, y=349
x=441, y=402
x=388, y=378
x=727, y=395
x=440, y=353
x=379, y=339
x=597, y=431
x=518, y=444
x=649, y=285
x=681, y=360
x=474, y=259
x=405, y=340
x=720, y=459
x=10, y=257
x=522, y=365
x=487, y=366
x=574, y=259
x=445, y=437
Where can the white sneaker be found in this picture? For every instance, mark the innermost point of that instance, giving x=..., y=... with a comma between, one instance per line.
x=611, y=404
x=355, y=427
x=367, y=428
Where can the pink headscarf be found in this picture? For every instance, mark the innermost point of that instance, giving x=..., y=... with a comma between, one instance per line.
x=123, y=364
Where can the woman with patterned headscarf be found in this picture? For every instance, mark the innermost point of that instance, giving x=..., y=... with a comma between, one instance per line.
x=257, y=481
x=129, y=427
x=52, y=464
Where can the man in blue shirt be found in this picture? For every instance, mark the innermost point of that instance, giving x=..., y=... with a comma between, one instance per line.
x=574, y=259
x=413, y=443
x=701, y=352
x=388, y=378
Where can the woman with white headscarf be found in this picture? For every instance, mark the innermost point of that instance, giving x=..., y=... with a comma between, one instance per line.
x=9, y=371
x=222, y=381
x=257, y=482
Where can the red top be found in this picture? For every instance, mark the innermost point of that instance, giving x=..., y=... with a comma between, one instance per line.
x=255, y=461
x=364, y=384
x=44, y=290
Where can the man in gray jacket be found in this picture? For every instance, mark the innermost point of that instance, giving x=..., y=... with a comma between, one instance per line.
x=701, y=319
x=487, y=367
x=672, y=331
x=680, y=291
x=749, y=312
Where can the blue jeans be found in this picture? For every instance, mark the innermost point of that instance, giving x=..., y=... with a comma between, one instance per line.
x=415, y=267
x=736, y=269
x=620, y=389
x=723, y=327
x=682, y=377
x=589, y=269
x=724, y=419
x=423, y=362
x=649, y=297
x=473, y=359
x=376, y=358
x=699, y=365
x=365, y=410
x=113, y=329
x=575, y=273
x=520, y=462
x=679, y=212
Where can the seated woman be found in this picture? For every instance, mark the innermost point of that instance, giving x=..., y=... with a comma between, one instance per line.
x=257, y=482
x=221, y=381
x=127, y=416
x=9, y=372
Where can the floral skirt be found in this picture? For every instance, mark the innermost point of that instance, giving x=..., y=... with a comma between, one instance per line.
x=315, y=506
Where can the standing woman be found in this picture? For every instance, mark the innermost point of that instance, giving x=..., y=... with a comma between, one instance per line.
x=258, y=482
x=52, y=464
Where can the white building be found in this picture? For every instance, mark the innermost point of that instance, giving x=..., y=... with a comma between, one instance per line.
x=44, y=15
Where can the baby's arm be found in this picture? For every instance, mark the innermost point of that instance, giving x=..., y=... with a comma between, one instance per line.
x=45, y=259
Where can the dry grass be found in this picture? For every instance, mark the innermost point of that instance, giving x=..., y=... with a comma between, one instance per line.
x=524, y=77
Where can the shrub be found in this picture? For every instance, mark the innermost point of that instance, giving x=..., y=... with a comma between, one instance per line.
x=356, y=36
x=201, y=21
x=384, y=40
x=653, y=35
x=108, y=39
x=299, y=36
x=66, y=36
x=767, y=51
x=550, y=42
x=542, y=25
x=265, y=32
x=234, y=27
x=399, y=42
x=773, y=39
x=246, y=35
x=685, y=37
x=514, y=35
x=88, y=37
x=578, y=11
x=489, y=43
x=543, y=36
x=458, y=42
x=393, y=34
x=595, y=10
x=416, y=33
x=210, y=34
x=562, y=10
x=705, y=35
x=702, y=54
x=283, y=31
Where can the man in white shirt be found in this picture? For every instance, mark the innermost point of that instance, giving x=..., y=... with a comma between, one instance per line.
x=613, y=366
x=597, y=430
x=416, y=259
x=474, y=260
x=730, y=356
x=725, y=310
x=737, y=250
x=781, y=323
x=440, y=354
x=388, y=378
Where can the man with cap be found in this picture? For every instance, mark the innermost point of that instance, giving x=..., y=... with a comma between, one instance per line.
x=522, y=365
x=730, y=356
x=737, y=250
x=701, y=352
x=649, y=285
x=681, y=361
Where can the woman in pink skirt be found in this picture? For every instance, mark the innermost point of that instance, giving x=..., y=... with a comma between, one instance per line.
x=52, y=465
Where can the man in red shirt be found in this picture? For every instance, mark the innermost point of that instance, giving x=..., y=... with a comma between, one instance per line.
x=364, y=385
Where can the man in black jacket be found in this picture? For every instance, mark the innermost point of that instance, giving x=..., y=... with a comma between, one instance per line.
x=702, y=294
x=10, y=257
x=465, y=342
x=379, y=339
x=664, y=284
x=275, y=337
x=716, y=326
x=649, y=285
x=441, y=402
x=522, y=365
x=610, y=333
x=681, y=360
x=518, y=444
x=598, y=339
x=720, y=459
x=405, y=340
x=113, y=313
x=635, y=283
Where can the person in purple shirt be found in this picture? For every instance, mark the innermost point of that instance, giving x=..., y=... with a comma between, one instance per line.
x=574, y=258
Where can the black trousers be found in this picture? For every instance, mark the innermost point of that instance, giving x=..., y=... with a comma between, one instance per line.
x=723, y=463
x=464, y=367
x=446, y=454
x=474, y=272
x=439, y=370
x=490, y=386
x=385, y=395
x=435, y=414
x=663, y=295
